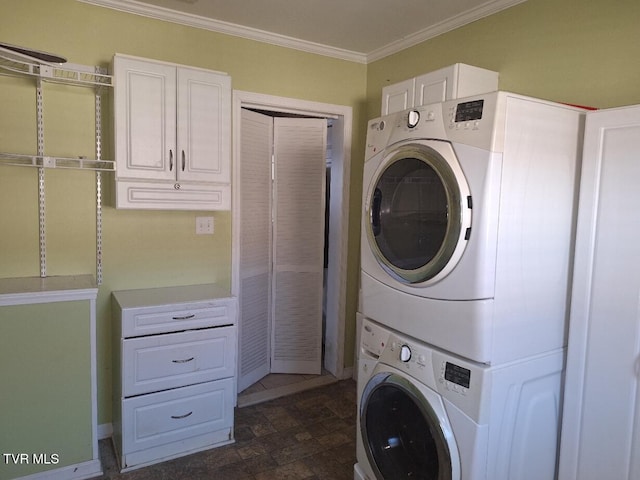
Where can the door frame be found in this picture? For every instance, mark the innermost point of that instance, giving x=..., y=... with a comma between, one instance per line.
x=339, y=208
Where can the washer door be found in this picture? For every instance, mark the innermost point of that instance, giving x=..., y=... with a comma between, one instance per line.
x=402, y=434
x=419, y=212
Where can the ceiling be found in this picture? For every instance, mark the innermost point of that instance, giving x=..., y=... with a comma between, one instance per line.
x=357, y=30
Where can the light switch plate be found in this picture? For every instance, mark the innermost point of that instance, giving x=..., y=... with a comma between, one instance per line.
x=204, y=225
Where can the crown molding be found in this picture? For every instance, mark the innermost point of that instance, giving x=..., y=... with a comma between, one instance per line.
x=161, y=13
x=196, y=21
x=484, y=10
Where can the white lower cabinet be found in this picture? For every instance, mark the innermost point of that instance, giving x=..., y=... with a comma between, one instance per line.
x=174, y=378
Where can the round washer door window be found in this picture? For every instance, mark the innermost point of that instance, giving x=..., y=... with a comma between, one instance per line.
x=401, y=433
x=418, y=215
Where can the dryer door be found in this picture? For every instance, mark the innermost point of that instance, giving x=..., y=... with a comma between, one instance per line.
x=419, y=212
x=405, y=434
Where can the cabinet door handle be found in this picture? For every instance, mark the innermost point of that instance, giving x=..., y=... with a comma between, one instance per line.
x=185, y=317
x=183, y=160
x=186, y=360
x=178, y=417
x=170, y=160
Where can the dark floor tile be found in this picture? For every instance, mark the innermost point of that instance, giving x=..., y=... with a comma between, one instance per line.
x=291, y=471
x=234, y=471
x=309, y=435
x=251, y=449
x=219, y=457
x=329, y=470
x=243, y=434
x=259, y=464
x=296, y=451
x=333, y=439
x=280, y=418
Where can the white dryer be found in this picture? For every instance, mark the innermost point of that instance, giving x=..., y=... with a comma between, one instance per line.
x=428, y=415
x=468, y=223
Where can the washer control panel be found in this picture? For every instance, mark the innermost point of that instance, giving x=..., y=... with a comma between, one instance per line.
x=455, y=378
x=373, y=338
x=460, y=381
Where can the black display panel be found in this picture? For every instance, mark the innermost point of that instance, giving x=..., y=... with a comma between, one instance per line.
x=469, y=111
x=457, y=374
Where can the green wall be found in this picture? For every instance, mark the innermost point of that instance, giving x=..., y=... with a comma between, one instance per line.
x=575, y=51
x=140, y=248
x=583, y=52
x=47, y=385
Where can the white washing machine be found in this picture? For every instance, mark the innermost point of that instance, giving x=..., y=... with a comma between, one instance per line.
x=468, y=224
x=428, y=415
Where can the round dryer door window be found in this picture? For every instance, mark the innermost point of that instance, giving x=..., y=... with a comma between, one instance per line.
x=419, y=212
x=401, y=433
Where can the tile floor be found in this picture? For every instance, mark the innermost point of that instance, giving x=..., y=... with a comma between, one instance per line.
x=306, y=435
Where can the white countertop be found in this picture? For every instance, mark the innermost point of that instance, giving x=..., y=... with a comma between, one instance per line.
x=25, y=290
x=169, y=295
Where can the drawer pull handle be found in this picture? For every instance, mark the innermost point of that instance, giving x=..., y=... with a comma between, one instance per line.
x=183, y=361
x=185, y=317
x=178, y=417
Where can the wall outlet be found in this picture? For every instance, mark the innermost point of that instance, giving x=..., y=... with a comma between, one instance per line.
x=204, y=225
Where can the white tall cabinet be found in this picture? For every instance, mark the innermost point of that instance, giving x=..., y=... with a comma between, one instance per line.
x=173, y=136
x=601, y=417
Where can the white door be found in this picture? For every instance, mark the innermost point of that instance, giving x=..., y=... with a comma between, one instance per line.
x=281, y=245
x=298, y=244
x=254, y=293
x=203, y=137
x=601, y=417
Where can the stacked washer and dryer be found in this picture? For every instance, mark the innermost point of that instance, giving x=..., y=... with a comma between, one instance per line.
x=468, y=224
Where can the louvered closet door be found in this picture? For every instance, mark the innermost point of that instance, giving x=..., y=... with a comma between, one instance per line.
x=255, y=248
x=298, y=236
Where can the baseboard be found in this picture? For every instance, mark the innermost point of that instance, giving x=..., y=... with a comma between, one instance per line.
x=105, y=431
x=78, y=471
x=349, y=372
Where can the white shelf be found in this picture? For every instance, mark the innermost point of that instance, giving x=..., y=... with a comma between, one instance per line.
x=22, y=62
x=20, y=160
x=28, y=290
x=14, y=63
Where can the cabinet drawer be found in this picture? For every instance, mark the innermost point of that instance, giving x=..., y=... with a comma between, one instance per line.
x=173, y=360
x=165, y=417
x=167, y=318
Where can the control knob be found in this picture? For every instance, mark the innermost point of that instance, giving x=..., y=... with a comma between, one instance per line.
x=405, y=353
x=413, y=118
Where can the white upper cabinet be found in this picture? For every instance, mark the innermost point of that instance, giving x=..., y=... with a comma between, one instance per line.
x=173, y=136
x=456, y=81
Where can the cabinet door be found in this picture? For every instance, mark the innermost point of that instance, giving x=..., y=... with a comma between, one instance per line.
x=204, y=131
x=435, y=87
x=145, y=119
x=398, y=97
